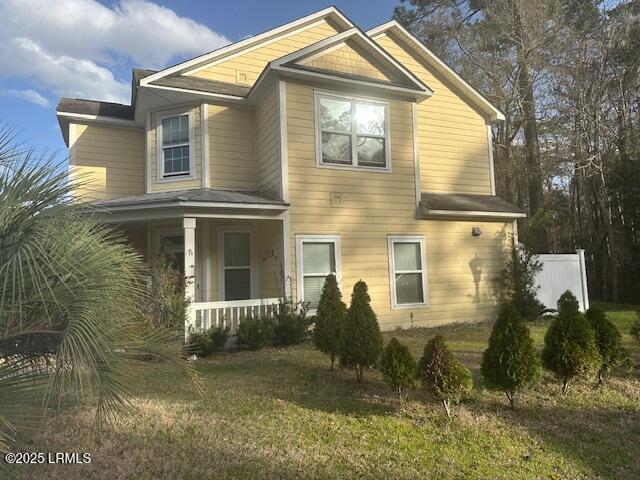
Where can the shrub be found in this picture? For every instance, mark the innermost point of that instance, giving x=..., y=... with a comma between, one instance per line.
x=635, y=328
x=609, y=342
x=361, y=341
x=165, y=305
x=510, y=363
x=255, y=333
x=291, y=322
x=570, y=347
x=516, y=283
x=330, y=319
x=398, y=366
x=442, y=375
x=210, y=341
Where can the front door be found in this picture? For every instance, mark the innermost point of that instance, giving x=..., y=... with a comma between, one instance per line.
x=236, y=265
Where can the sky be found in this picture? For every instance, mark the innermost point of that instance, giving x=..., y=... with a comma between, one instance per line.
x=87, y=48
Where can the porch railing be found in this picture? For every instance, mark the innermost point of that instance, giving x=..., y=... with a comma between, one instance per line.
x=231, y=313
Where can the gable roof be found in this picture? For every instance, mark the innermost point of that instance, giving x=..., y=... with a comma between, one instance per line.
x=414, y=45
x=404, y=80
x=331, y=14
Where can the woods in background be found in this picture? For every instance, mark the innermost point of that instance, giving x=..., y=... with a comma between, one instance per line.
x=565, y=74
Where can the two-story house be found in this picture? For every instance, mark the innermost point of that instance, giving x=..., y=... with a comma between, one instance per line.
x=310, y=149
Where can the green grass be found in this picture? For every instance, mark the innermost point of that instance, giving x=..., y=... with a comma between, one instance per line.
x=280, y=414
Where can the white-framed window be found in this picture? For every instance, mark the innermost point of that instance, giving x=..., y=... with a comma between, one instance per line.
x=236, y=265
x=352, y=132
x=317, y=256
x=175, y=145
x=407, y=271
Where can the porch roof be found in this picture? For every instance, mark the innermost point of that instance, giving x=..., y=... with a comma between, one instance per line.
x=193, y=200
x=467, y=205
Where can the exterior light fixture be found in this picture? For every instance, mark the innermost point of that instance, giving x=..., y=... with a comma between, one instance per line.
x=476, y=232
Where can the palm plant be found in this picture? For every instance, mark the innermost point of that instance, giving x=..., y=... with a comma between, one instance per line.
x=70, y=299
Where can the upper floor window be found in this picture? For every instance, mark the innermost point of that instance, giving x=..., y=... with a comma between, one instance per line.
x=175, y=146
x=352, y=132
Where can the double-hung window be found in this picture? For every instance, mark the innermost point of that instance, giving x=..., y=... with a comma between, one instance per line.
x=407, y=271
x=318, y=256
x=175, y=145
x=352, y=132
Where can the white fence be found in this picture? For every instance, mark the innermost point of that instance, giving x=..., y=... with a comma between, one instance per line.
x=230, y=314
x=561, y=272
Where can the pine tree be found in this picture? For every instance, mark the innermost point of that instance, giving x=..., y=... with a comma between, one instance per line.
x=442, y=375
x=398, y=366
x=569, y=345
x=361, y=342
x=510, y=363
x=609, y=343
x=330, y=318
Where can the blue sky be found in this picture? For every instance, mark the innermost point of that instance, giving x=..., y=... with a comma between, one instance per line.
x=86, y=49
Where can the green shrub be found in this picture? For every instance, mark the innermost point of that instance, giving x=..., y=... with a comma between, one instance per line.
x=361, y=341
x=635, y=328
x=330, y=318
x=510, y=363
x=570, y=349
x=291, y=322
x=398, y=366
x=210, y=341
x=516, y=283
x=165, y=305
x=609, y=342
x=255, y=333
x=442, y=375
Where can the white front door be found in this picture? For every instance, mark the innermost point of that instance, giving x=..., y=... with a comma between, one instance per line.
x=236, y=265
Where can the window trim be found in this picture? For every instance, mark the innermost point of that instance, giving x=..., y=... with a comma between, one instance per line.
x=300, y=241
x=353, y=134
x=391, y=240
x=161, y=178
x=253, y=268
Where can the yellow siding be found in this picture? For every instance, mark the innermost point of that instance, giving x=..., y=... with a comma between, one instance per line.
x=379, y=204
x=245, y=68
x=231, y=148
x=109, y=159
x=454, y=150
x=196, y=181
x=346, y=60
x=268, y=144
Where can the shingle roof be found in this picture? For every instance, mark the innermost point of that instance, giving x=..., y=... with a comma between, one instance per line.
x=203, y=195
x=192, y=83
x=93, y=107
x=466, y=203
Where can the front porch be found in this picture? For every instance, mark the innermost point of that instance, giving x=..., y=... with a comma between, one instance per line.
x=232, y=255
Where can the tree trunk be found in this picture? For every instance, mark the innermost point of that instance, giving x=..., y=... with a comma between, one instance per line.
x=359, y=373
x=447, y=407
x=512, y=399
x=333, y=360
x=565, y=385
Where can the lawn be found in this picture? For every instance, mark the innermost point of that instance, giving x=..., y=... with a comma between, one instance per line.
x=281, y=414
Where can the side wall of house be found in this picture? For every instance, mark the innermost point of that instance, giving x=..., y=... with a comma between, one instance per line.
x=268, y=144
x=453, y=142
x=231, y=148
x=109, y=161
x=460, y=267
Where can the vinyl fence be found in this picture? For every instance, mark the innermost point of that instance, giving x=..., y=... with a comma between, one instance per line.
x=561, y=272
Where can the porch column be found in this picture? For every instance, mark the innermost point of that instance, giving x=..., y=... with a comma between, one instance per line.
x=189, y=225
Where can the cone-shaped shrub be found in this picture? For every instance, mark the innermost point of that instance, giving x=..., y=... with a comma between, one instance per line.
x=330, y=318
x=442, y=375
x=635, y=328
x=510, y=363
x=361, y=341
x=570, y=347
x=609, y=342
x=398, y=366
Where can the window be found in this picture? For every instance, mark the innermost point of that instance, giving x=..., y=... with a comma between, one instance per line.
x=318, y=256
x=172, y=250
x=407, y=272
x=352, y=132
x=236, y=265
x=175, y=146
